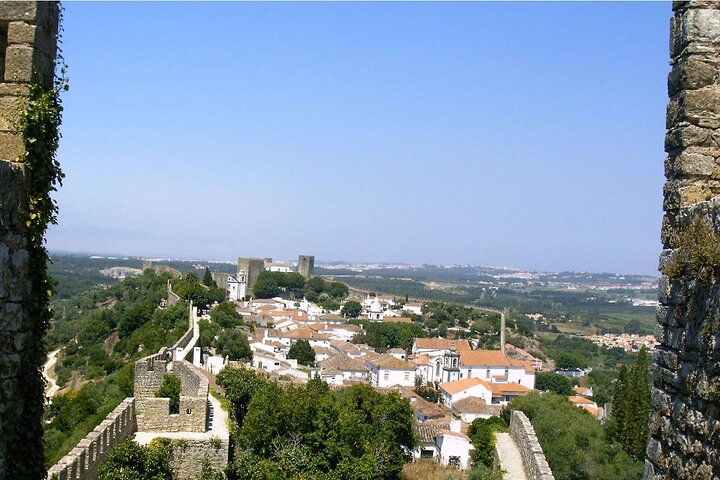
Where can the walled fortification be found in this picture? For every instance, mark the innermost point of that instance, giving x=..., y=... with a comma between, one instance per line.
x=685, y=421
x=533, y=458
x=83, y=460
x=28, y=35
x=188, y=456
x=153, y=414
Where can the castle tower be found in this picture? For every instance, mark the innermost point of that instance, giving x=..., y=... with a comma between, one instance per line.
x=251, y=268
x=306, y=265
x=683, y=425
x=28, y=38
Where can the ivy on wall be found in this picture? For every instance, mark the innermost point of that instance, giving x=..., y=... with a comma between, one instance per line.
x=38, y=124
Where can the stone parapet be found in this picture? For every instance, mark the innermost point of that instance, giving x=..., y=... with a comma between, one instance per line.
x=187, y=458
x=83, y=460
x=523, y=434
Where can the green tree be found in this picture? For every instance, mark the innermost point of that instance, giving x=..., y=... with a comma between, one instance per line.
x=351, y=309
x=568, y=360
x=302, y=352
x=170, y=388
x=553, y=382
x=131, y=461
x=208, y=279
x=631, y=406
x=240, y=386
x=233, y=343
x=482, y=433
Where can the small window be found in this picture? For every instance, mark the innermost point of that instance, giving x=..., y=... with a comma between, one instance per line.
x=188, y=411
x=427, y=454
x=454, y=461
x=407, y=375
x=487, y=373
x=386, y=376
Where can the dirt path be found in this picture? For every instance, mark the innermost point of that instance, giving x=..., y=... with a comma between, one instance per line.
x=52, y=387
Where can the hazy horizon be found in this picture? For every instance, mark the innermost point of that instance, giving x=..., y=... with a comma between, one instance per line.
x=519, y=134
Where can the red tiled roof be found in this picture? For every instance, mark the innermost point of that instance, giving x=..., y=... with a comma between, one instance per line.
x=442, y=344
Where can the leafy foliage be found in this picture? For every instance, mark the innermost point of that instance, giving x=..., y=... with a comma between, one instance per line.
x=170, y=388
x=271, y=284
x=384, y=336
x=190, y=289
x=312, y=432
x=553, y=382
x=302, y=352
x=575, y=443
x=482, y=434
x=351, y=309
x=131, y=461
x=233, y=343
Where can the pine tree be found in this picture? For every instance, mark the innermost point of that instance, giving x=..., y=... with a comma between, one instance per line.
x=207, y=279
x=631, y=405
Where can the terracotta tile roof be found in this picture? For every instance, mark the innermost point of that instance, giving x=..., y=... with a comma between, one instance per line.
x=346, y=347
x=526, y=364
x=506, y=388
x=580, y=401
x=442, y=344
x=490, y=358
x=455, y=434
x=343, y=363
x=585, y=392
x=427, y=432
x=421, y=360
x=471, y=405
x=389, y=362
x=302, y=333
x=458, y=386
x=324, y=351
x=595, y=412
x=396, y=350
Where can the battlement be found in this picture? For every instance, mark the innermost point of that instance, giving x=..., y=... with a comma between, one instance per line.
x=83, y=460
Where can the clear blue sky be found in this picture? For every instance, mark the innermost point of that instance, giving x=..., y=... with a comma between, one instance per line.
x=519, y=134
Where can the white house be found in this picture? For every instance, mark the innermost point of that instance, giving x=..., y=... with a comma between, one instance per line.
x=494, y=367
x=413, y=307
x=470, y=408
x=339, y=369
x=490, y=393
x=444, y=443
x=386, y=371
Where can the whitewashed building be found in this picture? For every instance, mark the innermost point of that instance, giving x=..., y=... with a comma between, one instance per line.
x=386, y=371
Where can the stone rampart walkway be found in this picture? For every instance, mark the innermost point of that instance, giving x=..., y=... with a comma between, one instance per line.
x=510, y=458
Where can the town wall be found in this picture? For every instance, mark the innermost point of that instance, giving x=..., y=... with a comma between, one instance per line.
x=172, y=297
x=81, y=462
x=220, y=279
x=28, y=36
x=252, y=268
x=149, y=373
x=685, y=420
x=533, y=458
x=188, y=456
x=153, y=415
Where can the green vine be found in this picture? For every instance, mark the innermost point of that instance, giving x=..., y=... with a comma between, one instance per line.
x=38, y=124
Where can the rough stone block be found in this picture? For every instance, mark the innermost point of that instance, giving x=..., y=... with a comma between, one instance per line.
x=12, y=147
x=687, y=135
x=18, y=63
x=18, y=10
x=694, y=164
x=21, y=32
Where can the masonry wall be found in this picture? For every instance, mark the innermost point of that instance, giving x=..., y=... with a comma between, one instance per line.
x=685, y=421
x=149, y=372
x=81, y=462
x=187, y=460
x=153, y=415
x=28, y=33
x=523, y=434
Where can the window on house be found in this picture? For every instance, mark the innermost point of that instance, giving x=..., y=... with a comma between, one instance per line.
x=487, y=373
x=386, y=376
x=407, y=376
x=427, y=454
x=454, y=461
x=506, y=372
x=188, y=411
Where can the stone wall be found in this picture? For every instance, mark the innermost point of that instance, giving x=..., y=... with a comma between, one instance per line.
x=187, y=459
x=685, y=421
x=149, y=373
x=28, y=34
x=83, y=460
x=523, y=434
x=194, y=382
x=153, y=415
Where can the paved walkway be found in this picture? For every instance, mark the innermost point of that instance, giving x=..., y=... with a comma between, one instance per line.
x=510, y=459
